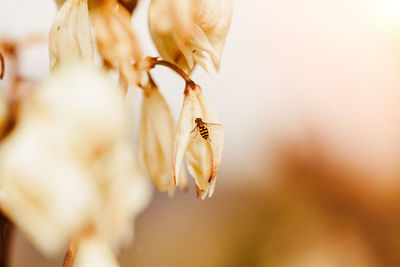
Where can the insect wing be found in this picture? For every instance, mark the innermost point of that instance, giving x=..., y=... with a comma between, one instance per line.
x=213, y=126
x=195, y=132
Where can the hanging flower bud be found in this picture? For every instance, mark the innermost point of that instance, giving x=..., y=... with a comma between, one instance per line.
x=189, y=28
x=116, y=40
x=70, y=38
x=203, y=151
x=156, y=138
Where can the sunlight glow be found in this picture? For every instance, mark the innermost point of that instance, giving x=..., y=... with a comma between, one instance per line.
x=391, y=7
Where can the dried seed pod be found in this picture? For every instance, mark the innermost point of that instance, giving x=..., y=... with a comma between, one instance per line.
x=156, y=138
x=182, y=30
x=116, y=40
x=70, y=38
x=203, y=156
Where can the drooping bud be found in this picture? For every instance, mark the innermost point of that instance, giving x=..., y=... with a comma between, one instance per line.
x=203, y=153
x=156, y=138
x=116, y=40
x=182, y=30
x=70, y=38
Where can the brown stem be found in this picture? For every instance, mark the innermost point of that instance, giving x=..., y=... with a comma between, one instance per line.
x=2, y=66
x=70, y=254
x=5, y=238
x=174, y=68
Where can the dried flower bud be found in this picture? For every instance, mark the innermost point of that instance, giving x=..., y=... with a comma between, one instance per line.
x=156, y=138
x=116, y=40
x=203, y=157
x=182, y=30
x=70, y=38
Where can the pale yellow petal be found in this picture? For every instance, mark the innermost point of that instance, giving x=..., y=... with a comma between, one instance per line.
x=156, y=138
x=70, y=38
x=47, y=197
x=203, y=156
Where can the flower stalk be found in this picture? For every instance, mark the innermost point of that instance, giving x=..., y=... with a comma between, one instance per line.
x=69, y=257
x=2, y=66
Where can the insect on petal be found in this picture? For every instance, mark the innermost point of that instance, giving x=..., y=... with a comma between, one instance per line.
x=203, y=157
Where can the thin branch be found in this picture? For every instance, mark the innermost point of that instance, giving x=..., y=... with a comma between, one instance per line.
x=2, y=66
x=69, y=257
x=175, y=68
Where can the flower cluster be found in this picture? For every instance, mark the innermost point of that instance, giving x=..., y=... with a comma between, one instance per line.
x=62, y=172
x=68, y=172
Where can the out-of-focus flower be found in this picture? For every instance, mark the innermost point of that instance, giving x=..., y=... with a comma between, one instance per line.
x=203, y=157
x=156, y=138
x=116, y=40
x=182, y=30
x=70, y=38
x=62, y=170
x=94, y=251
x=125, y=193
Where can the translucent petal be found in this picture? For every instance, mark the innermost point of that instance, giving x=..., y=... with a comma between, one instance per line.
x=70, y=38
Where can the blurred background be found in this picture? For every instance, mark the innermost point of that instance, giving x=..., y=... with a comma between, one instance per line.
x=309, y=95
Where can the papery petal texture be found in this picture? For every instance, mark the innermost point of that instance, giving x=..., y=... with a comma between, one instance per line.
x=156, y=139
x=203, y=157
x=70, y=38
x=182, y=32
x=116, y=40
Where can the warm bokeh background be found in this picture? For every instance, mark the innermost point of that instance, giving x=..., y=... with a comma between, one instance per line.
x=309, y=95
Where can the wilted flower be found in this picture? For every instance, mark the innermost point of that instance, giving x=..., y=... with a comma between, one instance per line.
x=203, y=157
x=62, y=170
x=70, y=38
x=116, y=40
x=183, y=29
x=156, y=138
